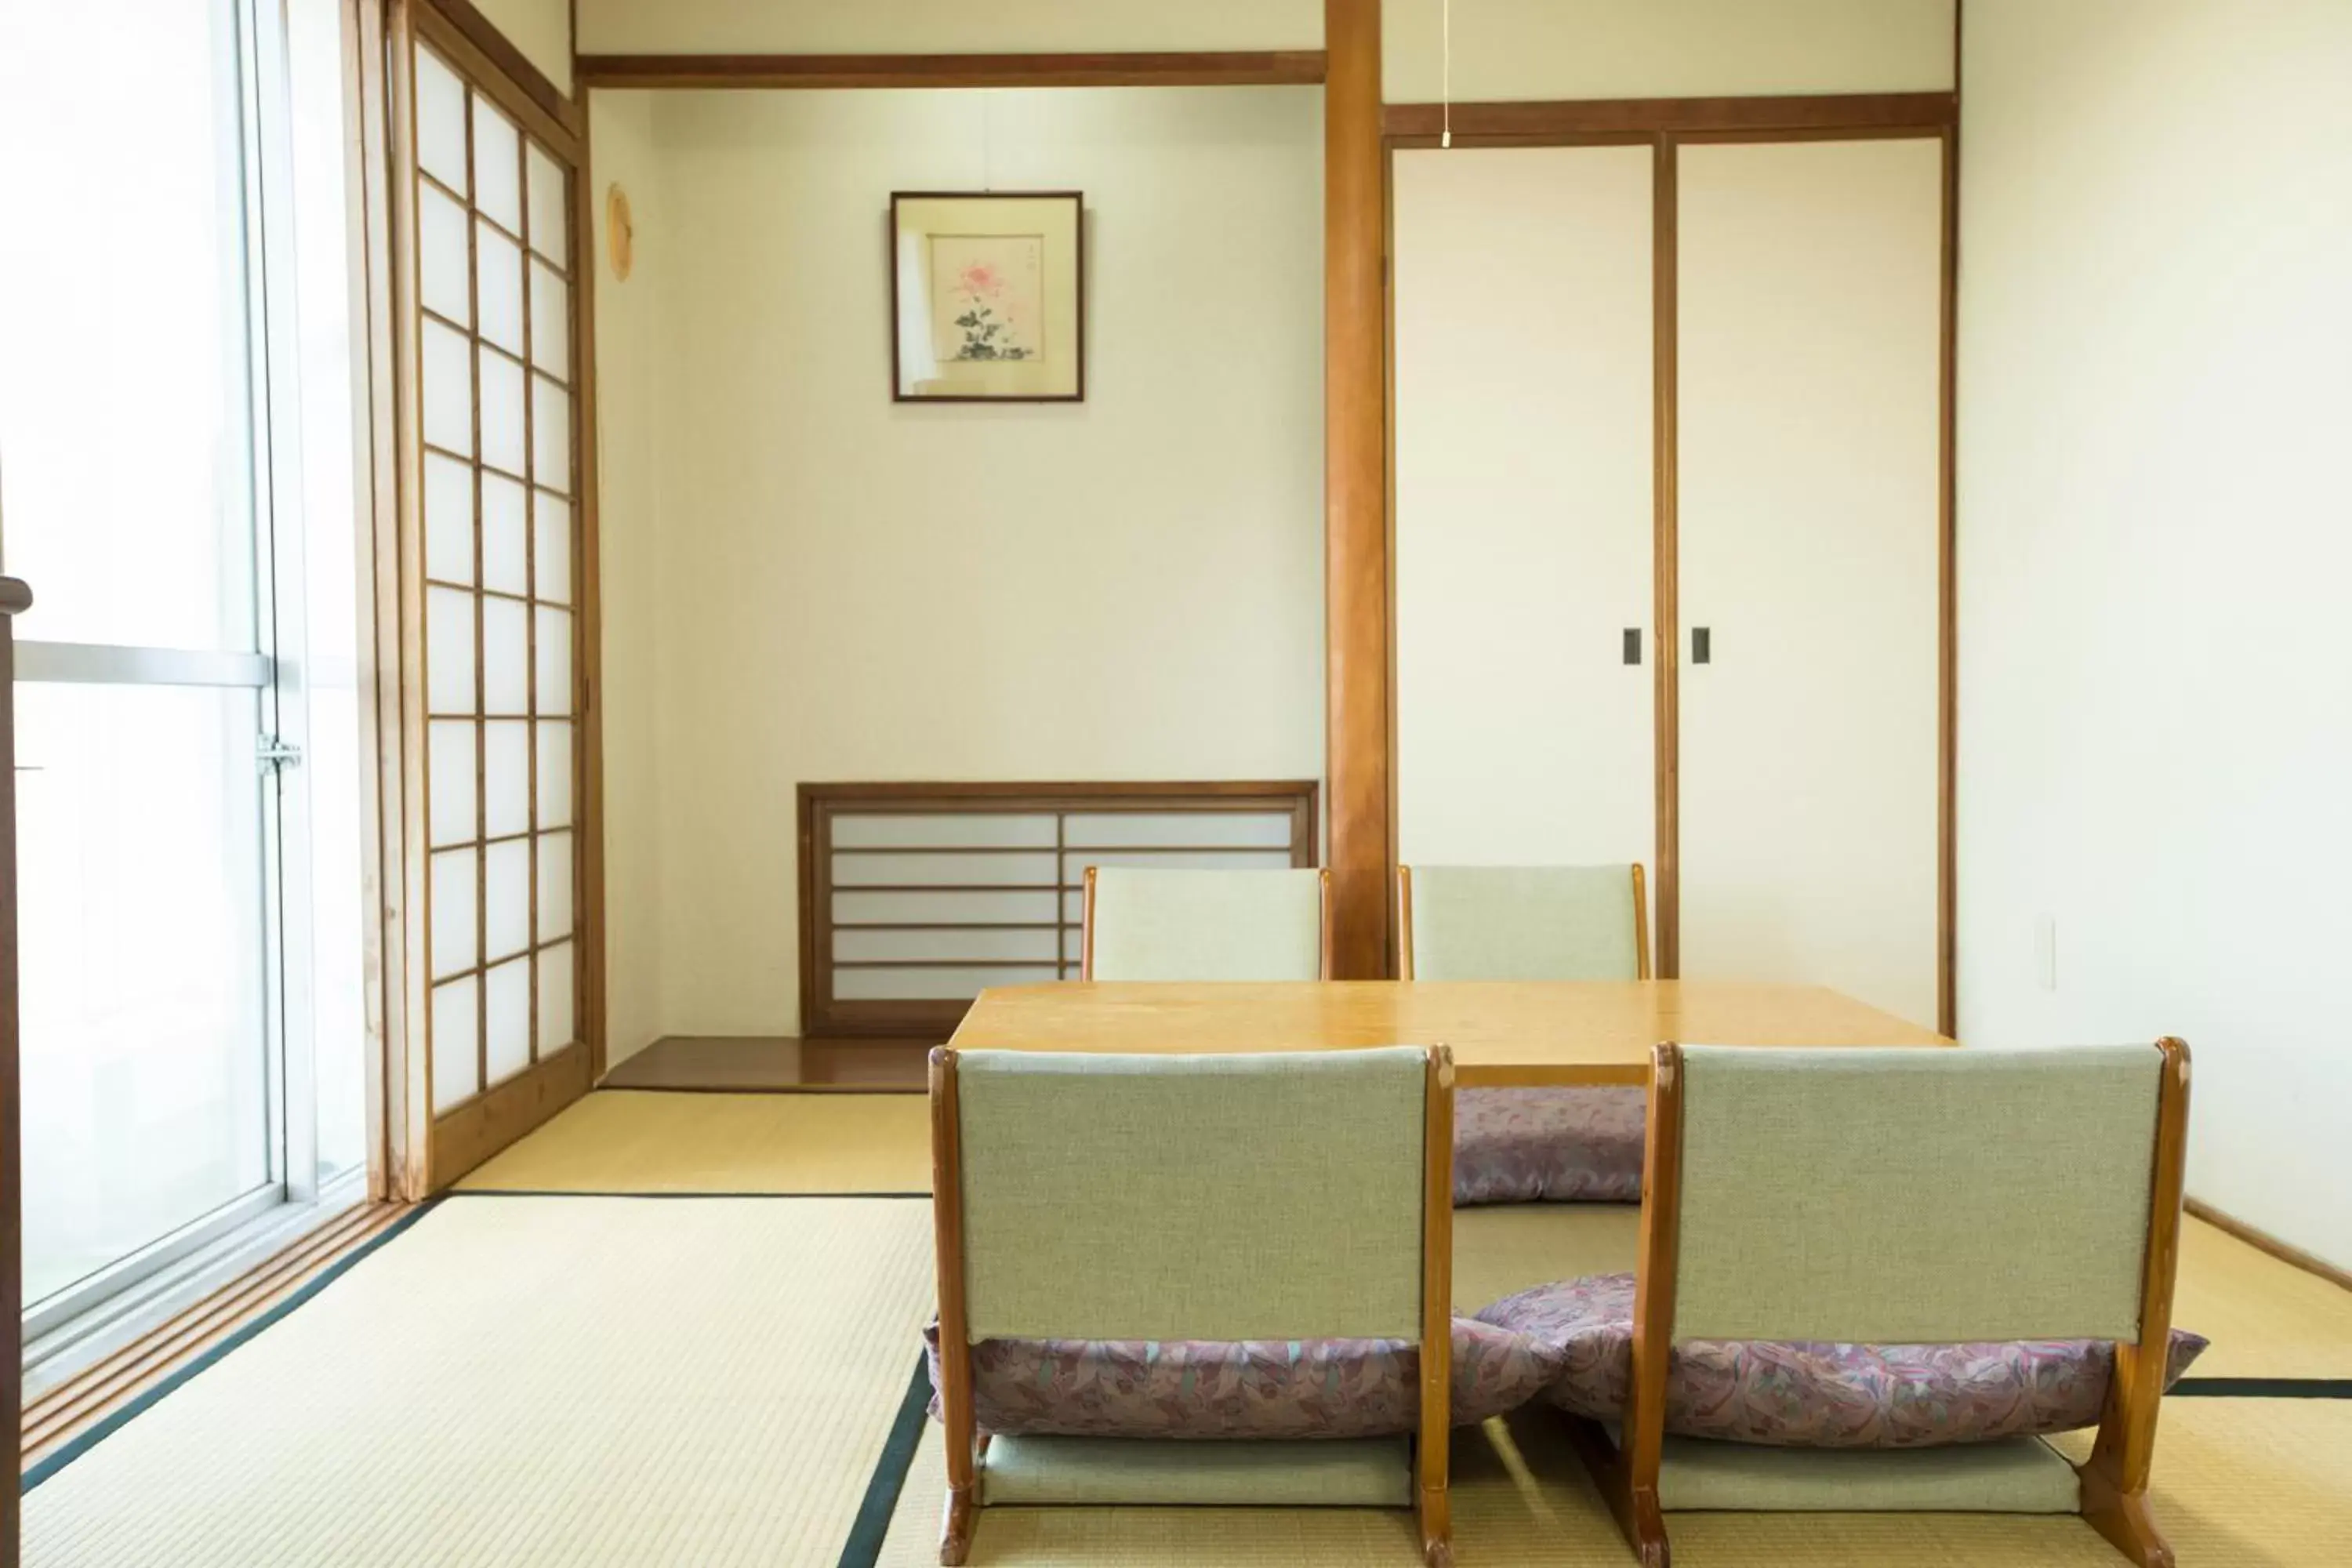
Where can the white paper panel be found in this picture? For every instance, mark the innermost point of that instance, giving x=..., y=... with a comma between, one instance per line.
x=440, y=122
x=448, y=520
x=1074, y=947
x=502, y=432
x=931, y=985
x=498, y=165
x=1073, y=906
x=505, y=653
x=498, y=286
x=1019, y=867
x=551, y=434
x=506, y=777
x=555, y=1007
x=1077, y=862
x=509, y=1019
x=978, y=942
x=449, y=651
x=554, y=886
x=1210, y=830
x=448, y=389
x=506, y=898
x=554, y=772
x=449, y=753
x=553, y=651
x=457, y=901
x=504, y=565
x=457, y=1038
x=550, y=234
x=551, y=325
x=441, y=255
x=552, y=567
x=951, y=909
x=889, y=830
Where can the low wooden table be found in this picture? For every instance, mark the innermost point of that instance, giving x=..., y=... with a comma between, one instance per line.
x=1502, y=1033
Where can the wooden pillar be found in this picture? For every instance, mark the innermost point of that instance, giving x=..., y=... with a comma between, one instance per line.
x=15, y=598
x=1358, y=752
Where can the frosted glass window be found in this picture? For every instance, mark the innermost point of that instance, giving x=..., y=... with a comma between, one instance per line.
x=1209, y=829
x=449, y=651
x=1179, y=860
x=441, y=255
x=551, y=330
x=942, y=909
x=1017, y=868
x=448, y=520
x=449, y=751
x=554, y=649
x=1074, y=907
x=506, y=898
x=506, y=777
x=552, y=569
x=498, y=286
x=549, y=210
x=497, y=166
x=508, y=1041
x=456, y=1042
x=554, y=999
x=551, y=434
x=440, y=122
x=456, y=899
x=554, y=772
x=554, y=886
x=505, y=653
x=940, y=946
x=502, y=433
x=932, y=984
x=911, y=830
x=448, y=391
x=505, y=566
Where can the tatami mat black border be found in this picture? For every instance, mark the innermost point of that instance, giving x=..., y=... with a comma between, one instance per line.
x=866, y=1533
x=2261, y=1388
x=83, y=1443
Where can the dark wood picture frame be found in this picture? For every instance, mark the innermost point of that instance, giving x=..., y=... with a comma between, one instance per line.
x=1077, y=262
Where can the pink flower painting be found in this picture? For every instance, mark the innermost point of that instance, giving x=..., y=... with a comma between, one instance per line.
x=986, y=292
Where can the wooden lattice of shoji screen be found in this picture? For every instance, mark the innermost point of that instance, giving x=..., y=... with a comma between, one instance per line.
x=916, y=898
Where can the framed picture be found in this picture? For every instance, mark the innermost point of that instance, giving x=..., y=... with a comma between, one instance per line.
x=987, y=297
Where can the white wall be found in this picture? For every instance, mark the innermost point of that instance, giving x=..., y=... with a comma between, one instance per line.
x=2155, y=536
x=943, y=26
x=542, y=29
x=831, y=586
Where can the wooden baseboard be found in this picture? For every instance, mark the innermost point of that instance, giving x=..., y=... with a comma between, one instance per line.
x=64, y=1413
x=2263, y=1241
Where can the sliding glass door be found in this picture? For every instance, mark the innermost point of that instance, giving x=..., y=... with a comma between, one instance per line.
x=190, y=1001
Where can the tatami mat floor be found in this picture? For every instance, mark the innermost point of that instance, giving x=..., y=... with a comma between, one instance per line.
x=608, y=1380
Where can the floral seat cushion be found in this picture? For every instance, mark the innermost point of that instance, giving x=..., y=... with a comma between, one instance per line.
x=1820, y=1396
x=1251, y=1388
x=1548, y=1145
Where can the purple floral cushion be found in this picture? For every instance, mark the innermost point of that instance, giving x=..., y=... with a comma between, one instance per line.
x=1817, y=1396
x=1250, y=1388
x=1548, y=1145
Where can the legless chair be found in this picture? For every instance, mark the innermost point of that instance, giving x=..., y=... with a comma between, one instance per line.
x=1099, y=1197
x=1533, y=922
x=1905, y=1197
x=1206, y=925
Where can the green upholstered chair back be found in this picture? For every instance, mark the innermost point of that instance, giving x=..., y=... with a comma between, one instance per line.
x=1914, y=1196
x=1524, y=922
x=1192, y=1197
x=1205, y=925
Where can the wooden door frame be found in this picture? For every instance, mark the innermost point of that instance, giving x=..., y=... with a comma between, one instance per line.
x=1666, y=125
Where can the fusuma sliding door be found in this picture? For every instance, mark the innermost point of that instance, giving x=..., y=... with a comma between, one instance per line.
x=1810, y=324
x=494, y=689
x=1523, y=458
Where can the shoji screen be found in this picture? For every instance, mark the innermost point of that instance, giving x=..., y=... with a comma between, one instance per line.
x=1524, y=517
x=496, y=652
x=1810, y=281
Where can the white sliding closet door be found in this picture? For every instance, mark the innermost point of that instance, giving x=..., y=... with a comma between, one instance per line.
x=1810, y=333
x=1524, y=519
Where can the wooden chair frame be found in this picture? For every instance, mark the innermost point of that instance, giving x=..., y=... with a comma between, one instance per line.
x=1432, y=1499
x=1087, y=926
x=1404, y=924
x=2114, y=1478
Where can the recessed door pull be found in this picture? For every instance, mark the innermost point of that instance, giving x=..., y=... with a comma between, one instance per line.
x=1702, y=646
x=1633, y=645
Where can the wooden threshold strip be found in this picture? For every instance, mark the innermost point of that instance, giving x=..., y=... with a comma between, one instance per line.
x=1263, y=68
x=1622, y=116
x=79, y=1403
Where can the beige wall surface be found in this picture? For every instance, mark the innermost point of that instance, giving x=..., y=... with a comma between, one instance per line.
x=943, y=26
x=826, y=586
x=542, y=29
x=2154, y=534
